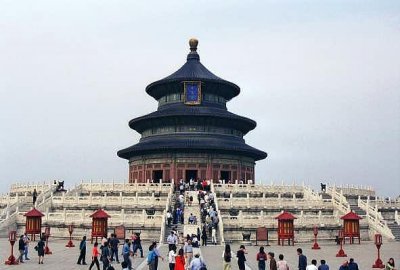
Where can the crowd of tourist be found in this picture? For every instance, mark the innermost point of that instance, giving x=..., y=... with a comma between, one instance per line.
x=181, y=249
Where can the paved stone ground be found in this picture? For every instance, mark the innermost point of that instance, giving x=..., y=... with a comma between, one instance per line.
x=65, y=258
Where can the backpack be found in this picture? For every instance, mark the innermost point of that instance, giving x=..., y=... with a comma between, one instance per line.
x=150, y=257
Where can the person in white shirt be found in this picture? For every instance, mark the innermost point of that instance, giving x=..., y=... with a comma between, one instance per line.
x=172, y=240
x=214, y=235
x=171, y=258
x=169, y=218
x=312, y=266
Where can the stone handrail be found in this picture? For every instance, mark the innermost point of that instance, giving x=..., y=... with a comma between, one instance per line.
x=244, y=221
x=220, y=219
x=355, y=190
x=167, y=205
x=250, y=188
x=101, y=187
x=12, y=211
x=339, y=201
x=68, y=201
x=311, y=195
x=273, y=203
x=383, y=203
x=375, y=219
x=26, y=188
x=83, y=218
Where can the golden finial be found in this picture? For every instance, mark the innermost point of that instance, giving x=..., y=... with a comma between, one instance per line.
x=193, y=44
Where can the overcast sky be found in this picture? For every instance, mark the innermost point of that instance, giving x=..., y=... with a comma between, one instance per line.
x=321, y=78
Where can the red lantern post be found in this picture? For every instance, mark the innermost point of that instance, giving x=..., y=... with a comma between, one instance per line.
x=378, y=244
x=315, y=230
x=47, y=235
x=70, y=230
x=12, y=238
x=341, y=251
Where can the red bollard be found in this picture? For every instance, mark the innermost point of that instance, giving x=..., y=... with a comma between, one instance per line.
x=70, y=230
x=341, y=251
x=378, y=244
x=47, y=235
x=315, y=246
x=12, y=238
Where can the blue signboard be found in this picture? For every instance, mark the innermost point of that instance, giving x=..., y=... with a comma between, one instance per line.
x=192, y=93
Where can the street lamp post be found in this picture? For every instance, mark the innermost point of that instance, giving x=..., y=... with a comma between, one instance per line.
x=70, y=230
x=12, y=238
x=378, y=244
x=341, y=251
x=315, y=230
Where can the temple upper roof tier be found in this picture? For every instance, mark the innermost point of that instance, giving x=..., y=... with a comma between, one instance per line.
x=193, y=70
x=198, y=143
x=195, y=113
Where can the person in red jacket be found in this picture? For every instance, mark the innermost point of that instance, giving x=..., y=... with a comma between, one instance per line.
x=95, y=257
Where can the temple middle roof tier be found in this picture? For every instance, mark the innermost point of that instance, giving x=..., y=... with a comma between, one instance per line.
x=180, y=111
x=193, y=70
x=183, y=143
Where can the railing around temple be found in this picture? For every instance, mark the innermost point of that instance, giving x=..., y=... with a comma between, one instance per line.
x=167, y=205
x=338, y=200
x=375, y=219
x=220, y=221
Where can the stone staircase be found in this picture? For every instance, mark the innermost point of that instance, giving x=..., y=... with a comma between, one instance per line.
x=178, y=225
x=356, y=209
x=395, y=228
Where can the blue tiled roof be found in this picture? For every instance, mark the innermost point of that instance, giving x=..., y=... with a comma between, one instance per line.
x=193, y=70
x=186, y=143
x=181, y=110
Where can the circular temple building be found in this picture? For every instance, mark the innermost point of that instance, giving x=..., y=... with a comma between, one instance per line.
x=192, y=135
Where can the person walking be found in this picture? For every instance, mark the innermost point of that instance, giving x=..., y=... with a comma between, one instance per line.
x=40, y=249
x=151, y=257
x=390, y=265
x=302, y=259
x=261, y=258
x=21, y=249
x=204, y=236
x=171, y=258
x=214, y=234
x=114, y=243
x=137, y=244
x=196, y=263
x=34, y=196
x=323, y=265
x=188, y=248
x=282, y=264
x=352, y=265
x=172, y=240
x=240, y=254
x=125, y=253
x=272, y=261
x=227, y=258
x=26, y=241
x=95, y=257
x=157, y=255
x=169, y=219
x=105, y=255
x=313, y=265
x=180, y=260
x=82, y=254
x=344, y=266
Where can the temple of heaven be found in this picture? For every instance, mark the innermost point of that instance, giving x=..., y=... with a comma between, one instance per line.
x=192, y=135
